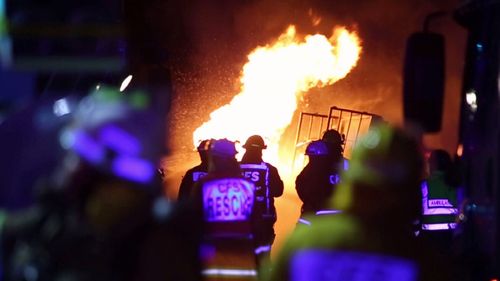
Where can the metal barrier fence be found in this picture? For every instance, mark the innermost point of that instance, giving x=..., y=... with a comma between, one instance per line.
x=349, y=123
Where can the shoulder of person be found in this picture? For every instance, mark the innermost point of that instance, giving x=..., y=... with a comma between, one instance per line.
x=270, y=166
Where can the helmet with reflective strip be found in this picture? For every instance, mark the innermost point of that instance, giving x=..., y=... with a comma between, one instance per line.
x=317, y=148
x=255, y=141
x=223, y=148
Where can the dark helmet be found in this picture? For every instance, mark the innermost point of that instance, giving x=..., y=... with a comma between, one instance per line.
x=333, y=137
x=440, y=160
x=204, y=145
x=223, y=148
x=255, y=141
x=317, y=148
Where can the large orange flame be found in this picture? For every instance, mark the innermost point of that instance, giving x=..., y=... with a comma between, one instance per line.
x=273, y=79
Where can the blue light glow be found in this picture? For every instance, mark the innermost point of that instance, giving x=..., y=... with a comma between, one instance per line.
x=323, y=265
x=133, y=169
x=328, y=212
x=229, y=272
x=207, y=251
x=334, y=179
x=87, y=148
x=346, y=164
x=161, y=208
x=262, y=249
x=61, y=107
x=304, y=221
x=479, y=47
x=120, y=141
x=198, y=175
x=438, y=226
x=67, y=139
x=2, y=8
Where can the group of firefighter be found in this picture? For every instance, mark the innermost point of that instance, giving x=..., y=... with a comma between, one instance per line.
x=386, y=213
x=101, y=215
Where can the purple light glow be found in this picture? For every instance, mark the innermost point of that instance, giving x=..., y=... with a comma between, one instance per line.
x=120, y=141
x=133, y=169
x=323, y=265
x=88, y=148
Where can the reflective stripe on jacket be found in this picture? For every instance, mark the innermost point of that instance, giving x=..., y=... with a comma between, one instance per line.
x=438, y=204
x=259, y=175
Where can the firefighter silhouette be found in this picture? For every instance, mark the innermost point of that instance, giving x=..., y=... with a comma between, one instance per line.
x=268, y=185
x=317, y=181
x=313, y=182
x=196, y=173
x=335, y=143
x=225, y=200
x=372, y=237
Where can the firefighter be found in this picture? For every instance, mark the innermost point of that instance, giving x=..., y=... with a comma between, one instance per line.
x=196, y=173
x=371, y=238
x=439, y=202
x=337, y=163
x=101, y=214
x=316, y=182
x=313, y=182
x=335, y=142
x=225, y=200
x=268, y=185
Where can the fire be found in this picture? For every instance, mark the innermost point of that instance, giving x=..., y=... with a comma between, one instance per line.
x=273, y=80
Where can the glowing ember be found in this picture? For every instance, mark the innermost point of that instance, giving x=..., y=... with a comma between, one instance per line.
x=315, y=20
x=274, y=78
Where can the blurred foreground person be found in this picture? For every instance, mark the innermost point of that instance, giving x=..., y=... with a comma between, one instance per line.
x=372, y=238
x=268, y=185
x=439, y=202
x=100, y=215
x=196, y=173
x=225, y=200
